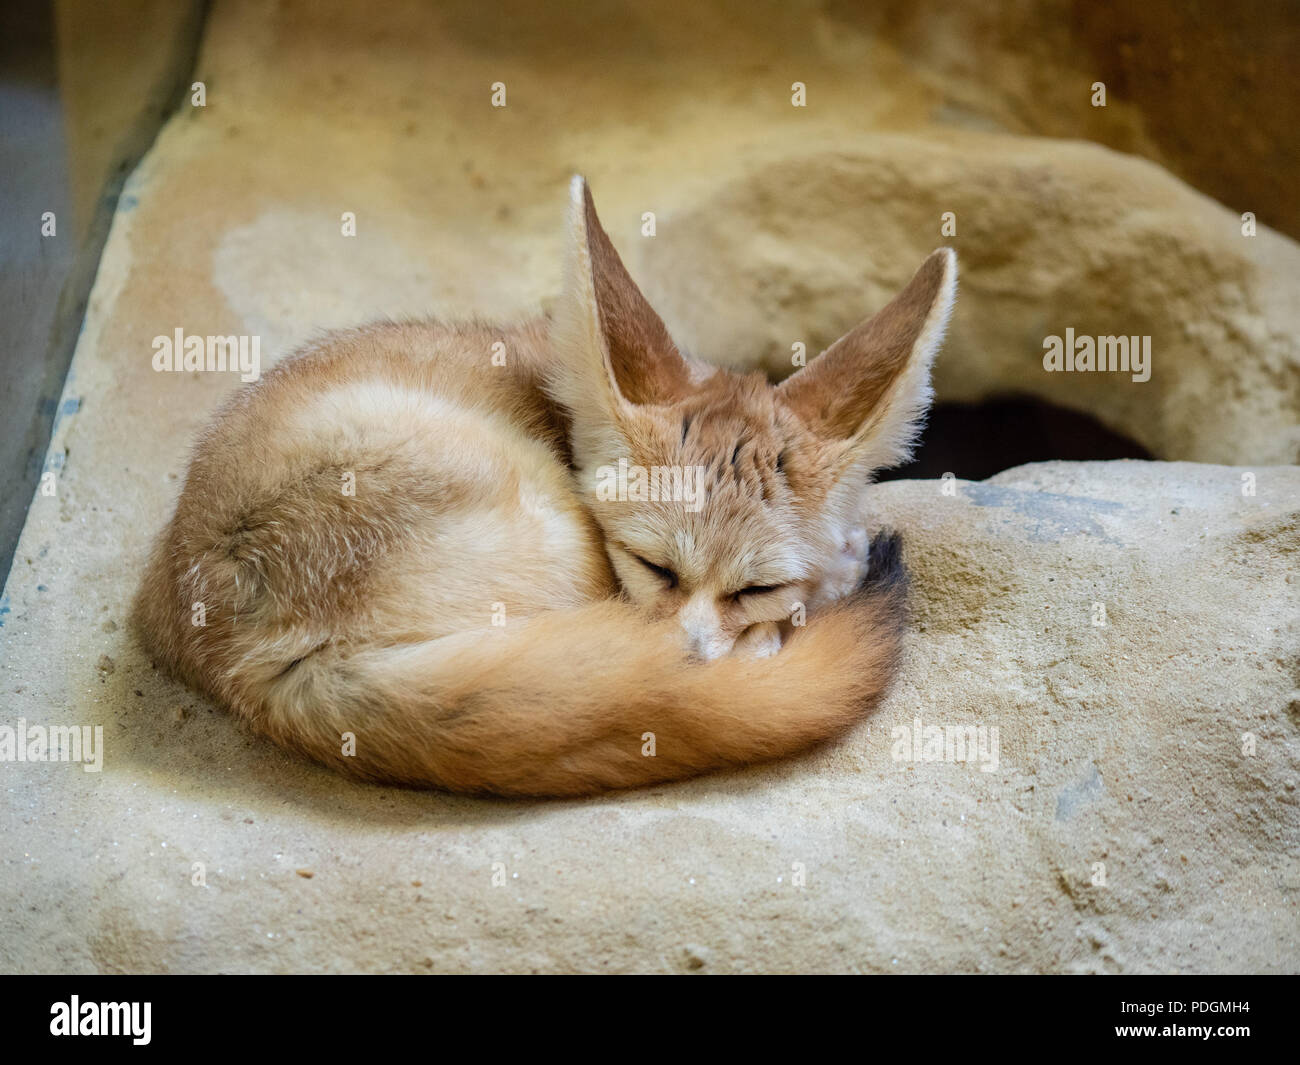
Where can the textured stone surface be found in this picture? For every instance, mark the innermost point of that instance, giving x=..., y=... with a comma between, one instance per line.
x=1204, y=89
x=1118, y=744
x=1052, y=235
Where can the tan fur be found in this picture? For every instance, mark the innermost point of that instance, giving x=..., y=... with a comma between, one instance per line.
x=330, y=613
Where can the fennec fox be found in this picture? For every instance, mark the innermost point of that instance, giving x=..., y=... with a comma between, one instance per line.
x=394, y=536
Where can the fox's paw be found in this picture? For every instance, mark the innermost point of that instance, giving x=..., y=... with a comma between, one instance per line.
x=759, y=641
x=846, y=571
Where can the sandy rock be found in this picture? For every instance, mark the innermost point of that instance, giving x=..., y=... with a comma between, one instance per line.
x=1051, y=236
x=1206, y=91
x=1140, y=814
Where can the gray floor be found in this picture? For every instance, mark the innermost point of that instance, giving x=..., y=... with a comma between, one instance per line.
x=66, y=149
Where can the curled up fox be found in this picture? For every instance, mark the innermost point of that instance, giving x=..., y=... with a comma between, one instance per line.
x=397, y=489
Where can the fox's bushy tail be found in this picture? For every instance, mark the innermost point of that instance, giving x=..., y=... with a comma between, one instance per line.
x=584, y=700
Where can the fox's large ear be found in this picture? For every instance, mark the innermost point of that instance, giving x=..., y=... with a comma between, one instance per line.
x=872, y=386
x=613, y=352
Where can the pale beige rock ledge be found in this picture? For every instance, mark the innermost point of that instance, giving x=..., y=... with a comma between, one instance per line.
x=1119, y=744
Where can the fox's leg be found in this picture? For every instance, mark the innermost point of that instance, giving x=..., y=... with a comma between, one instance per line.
x=758, y=641
x=846, y=571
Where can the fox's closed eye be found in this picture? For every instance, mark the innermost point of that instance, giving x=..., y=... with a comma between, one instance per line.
x=759, y=589
x=662, y=572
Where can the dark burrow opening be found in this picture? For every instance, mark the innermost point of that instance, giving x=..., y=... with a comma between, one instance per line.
x=976, y=440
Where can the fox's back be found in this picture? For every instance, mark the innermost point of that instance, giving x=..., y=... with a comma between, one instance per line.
x=373, y=485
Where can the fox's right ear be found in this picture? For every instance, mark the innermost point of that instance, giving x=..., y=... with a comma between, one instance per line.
x=613, y=351
x=870, y=389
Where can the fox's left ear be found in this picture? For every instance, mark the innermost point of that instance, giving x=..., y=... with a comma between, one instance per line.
x=872, y=386
x=613, y=351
